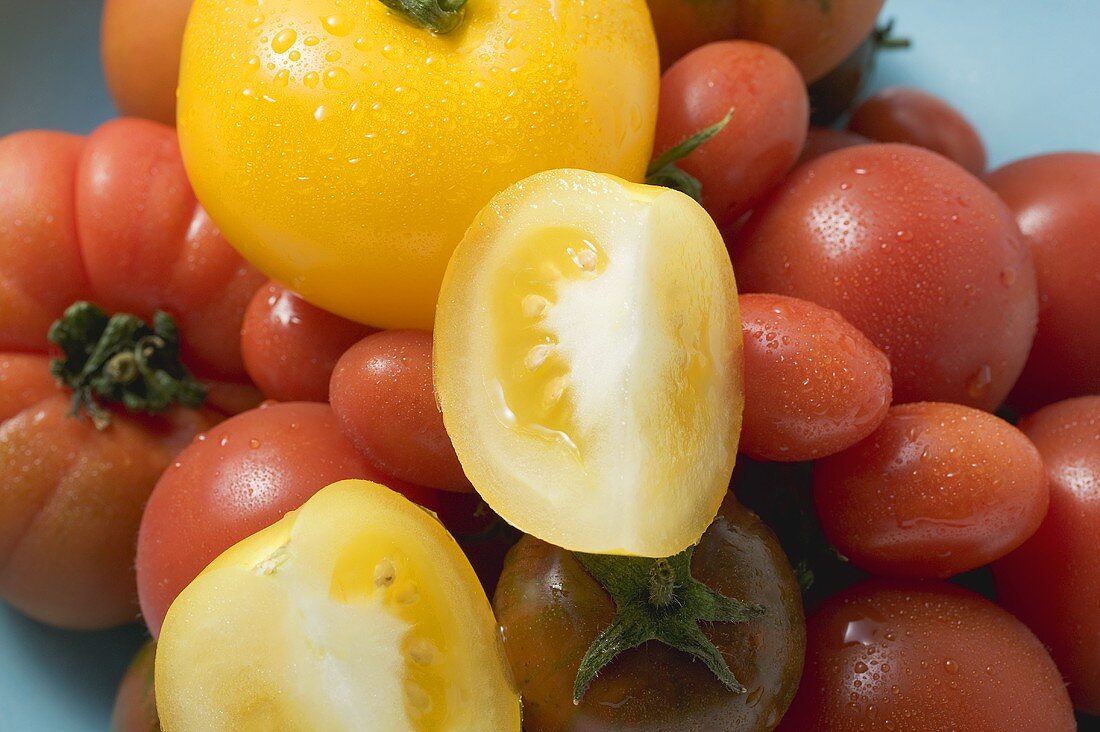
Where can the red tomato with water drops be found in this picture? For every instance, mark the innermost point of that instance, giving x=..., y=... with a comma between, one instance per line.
x=763, y=138
x=814, y=385
x=936, y=490
x=912, y=250
x=384, y=401
x=1056, y=201
x=822, y=140
x=922, y=656
x=901, y=114
x=1052, y=582
x=291, y=347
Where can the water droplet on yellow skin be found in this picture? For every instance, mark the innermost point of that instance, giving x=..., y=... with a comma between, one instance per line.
x=338, y=24
x=283, y=40
x=312, y=79
x=295, y=55
x=311, y=40
x=337, y=78
x=282, y=78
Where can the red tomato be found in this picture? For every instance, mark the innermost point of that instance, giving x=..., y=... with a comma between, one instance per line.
x=141, y=43
x=25, y=379
x=900, y=114
x=917, y=657
x=762, y=140
x=815, y=35
x=916, y=253
x=1052, y=582
x=234, y=480
x=135, y=707
x=822, y=140
x=814, y=385
x=291, y=347
x=383, y=397
x=1056, y=200
x=936, y=490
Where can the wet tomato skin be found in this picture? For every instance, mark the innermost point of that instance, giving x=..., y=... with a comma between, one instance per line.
x=901, y=114
x=936, y=490
x=814, y=384
x=550, y=611
x=912, y=250
x=1052, y=582
x=911, y=656
x=763, y=138
x=1055, y=201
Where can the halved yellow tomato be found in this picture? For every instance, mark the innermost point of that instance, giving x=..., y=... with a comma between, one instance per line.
x=588, y=362
x=358, y=611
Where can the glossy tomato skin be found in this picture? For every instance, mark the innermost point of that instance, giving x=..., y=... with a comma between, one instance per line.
x=816, y=36
x=814, y=385
x=916, y=253
x=550, y=611
x=383, y=397
x=140, y=47
x=822, y=140
x=918, y=656
x=39, y=250
x=763, y=138
x=1054, y=199
x=291, y=347
x=901, y=114
x=1052, y=582
x=936, y=490
x=25, y=379
x=232, y=481
x=135, y=707
x=71, y=504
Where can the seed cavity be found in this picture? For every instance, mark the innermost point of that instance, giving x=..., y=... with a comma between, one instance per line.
x=384, y=573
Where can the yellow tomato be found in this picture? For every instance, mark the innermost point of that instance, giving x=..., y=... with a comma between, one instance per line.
x=358, y=611
x=344, y=150
x=588, y=363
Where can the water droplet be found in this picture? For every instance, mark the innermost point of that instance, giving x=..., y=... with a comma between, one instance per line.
x=254, y=64
x=950, y=666
x=295, y=55
x=312, y=79
x=1008, y=277
x=905, y=235
x=283, y=40
x=282, y=78
x=361, y=44
x=319, y=113
x=254, y=443
x=256, y=21
x=860, y=667
x=337, y=78
x=338, y=24
x=311, y=40
x=977, y=386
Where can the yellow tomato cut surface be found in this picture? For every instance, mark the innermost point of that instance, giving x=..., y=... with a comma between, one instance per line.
x=588, y=362
x=344, y=150
x=356, y=612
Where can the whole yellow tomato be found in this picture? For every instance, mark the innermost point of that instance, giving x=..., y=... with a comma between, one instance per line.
x=344, y=149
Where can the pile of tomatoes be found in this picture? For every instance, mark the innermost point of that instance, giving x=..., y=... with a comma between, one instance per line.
x=443, y=364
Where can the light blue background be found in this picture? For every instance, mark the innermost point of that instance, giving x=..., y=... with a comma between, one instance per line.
x=1023, y=71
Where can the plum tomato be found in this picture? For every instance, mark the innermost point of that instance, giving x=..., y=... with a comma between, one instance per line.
x=357, y=611
x=762, y=139
x=814, y=385
x=234, y=480
x=382, y=395
x=919, y=656
x=588, y=363
x=816, y=36
x=140, y=46
x=936, y=490
x=1052, y=582
x=344, y=150
x=901, y=114
x=135, y=707
x=1056, y=201
x=551, y=610
x=291, y=347
x=822, y=140
x=916, y=253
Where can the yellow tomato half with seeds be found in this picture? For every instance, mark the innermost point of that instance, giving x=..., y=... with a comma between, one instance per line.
x=357, y=611
x=588, y=362
x=344, y=150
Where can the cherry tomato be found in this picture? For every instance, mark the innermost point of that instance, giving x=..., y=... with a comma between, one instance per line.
x=814, y=385
x=916, y=253
x=936, y=490
x=916, y=657
x=135, y=707
x=234, y=480
x=763, y=138
x=1055, y=201
x=550, y=610
x=383, y=398
x=822, y=140
x=900, y=114
x=1052, y=582
x=815, y=35
x=291, y=347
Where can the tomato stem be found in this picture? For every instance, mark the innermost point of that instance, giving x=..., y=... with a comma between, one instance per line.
x=121, y=359
x=438, y=16
x=663, y=171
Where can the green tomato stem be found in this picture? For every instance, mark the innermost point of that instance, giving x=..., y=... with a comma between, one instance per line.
x=437, y=16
